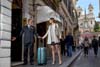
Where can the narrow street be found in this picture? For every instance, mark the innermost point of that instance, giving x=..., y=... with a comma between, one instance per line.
x=89, y=61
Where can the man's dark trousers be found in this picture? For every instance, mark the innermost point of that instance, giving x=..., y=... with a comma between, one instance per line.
x=95, y=50
x=31, y=54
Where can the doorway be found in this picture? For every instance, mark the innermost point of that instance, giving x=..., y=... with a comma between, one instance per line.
x=41, y=30
x=16, y=46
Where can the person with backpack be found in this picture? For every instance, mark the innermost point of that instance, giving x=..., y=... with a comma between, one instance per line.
x=95, y=45
x=86, y=46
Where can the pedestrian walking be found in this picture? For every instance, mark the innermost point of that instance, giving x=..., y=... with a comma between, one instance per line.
x=86, y=46
x=62, y=46
x=95, y=45
x=54, y=36
x=99, y=41
x=69, y=43
x=90, y=43
x=74, y=46
x=80, y=42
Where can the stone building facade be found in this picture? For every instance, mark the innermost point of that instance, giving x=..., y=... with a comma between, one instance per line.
x=27, y=10
x=86, y=21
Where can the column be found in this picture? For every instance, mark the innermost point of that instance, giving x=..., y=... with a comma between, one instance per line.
x=72, y=30
x=5, y=33
x=68, y=29
x=35, y=5
x=25, y=9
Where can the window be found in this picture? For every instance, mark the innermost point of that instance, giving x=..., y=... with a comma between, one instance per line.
x=91, y=22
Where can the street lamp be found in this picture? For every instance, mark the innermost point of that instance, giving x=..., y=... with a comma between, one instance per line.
x=99, y=9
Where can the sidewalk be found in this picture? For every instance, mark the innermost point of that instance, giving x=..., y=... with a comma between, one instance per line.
x=66, y=61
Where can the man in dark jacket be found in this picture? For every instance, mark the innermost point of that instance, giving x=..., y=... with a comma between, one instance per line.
x=95, y=45
x=29, y=32
x=69, y=44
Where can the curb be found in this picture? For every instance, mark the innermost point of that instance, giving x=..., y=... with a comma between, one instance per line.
x=16, y=64
x=71, y=60
x=76, y=56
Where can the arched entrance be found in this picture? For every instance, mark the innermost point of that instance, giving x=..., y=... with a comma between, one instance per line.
x=16, y=46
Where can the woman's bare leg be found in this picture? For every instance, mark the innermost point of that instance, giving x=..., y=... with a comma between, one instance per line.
x=59, y=53
x=53, y=54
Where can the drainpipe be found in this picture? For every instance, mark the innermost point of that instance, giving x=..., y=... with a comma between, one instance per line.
x=35, y=24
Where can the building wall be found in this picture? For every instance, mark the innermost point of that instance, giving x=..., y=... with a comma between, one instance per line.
x=25, y=9
x=5, y=29
x=5, y=33
x=71, y=14
x=90, y=23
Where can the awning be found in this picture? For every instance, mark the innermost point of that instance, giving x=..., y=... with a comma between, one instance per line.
x=87, y=34
x=44, y=13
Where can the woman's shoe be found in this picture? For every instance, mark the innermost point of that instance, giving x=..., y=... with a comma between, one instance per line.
x=60, y=63
x=53, y=63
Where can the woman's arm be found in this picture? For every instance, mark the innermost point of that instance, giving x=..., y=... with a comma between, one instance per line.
x=46, y=33
x=60, y=34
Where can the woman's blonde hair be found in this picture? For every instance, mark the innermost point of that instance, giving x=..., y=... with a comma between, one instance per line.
x=53, y=20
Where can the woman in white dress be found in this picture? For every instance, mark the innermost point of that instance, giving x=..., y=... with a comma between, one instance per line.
x=54, y=39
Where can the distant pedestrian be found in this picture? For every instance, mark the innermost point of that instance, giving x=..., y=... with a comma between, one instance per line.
x=62, y=46
x=90, y=43
x=95, y=45
x=74, y=46
x=80, y=45
x=99, y=41
x=86, y=46
x=69, y=43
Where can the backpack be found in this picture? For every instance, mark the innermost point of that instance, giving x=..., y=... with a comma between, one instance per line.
x=86, y=44
x=94, y=42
